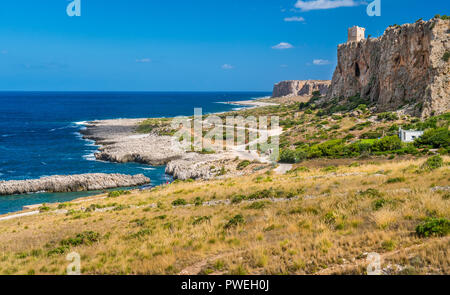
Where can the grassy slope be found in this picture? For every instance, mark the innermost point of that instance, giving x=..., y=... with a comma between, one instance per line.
x=326, y=230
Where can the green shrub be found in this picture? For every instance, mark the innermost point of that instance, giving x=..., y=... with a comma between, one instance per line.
x=433, y=163
x=292, y=156
x=237, y=199
x=378, y=204
x=242, y=165
x=62, y=205
x=287, y=156
x=329, y=169
x=330, y=218
x=44, y=208
x=115, y=194
x=388, y=143
x=299, y=169
x=396, y=180
x=437, y=138
x=316, y=94
x=141, y=233
x=388, y=116
x=433, y=227
x=223, y=171
x=58, y=250
x=257, y=205
x=179, y=202
x=84, y=238
x=332, y=148
x=446, y=56
x=235, y=221
x=198, y=201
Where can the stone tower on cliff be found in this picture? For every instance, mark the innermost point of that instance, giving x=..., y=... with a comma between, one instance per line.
x=406, y=69
x=356, y=34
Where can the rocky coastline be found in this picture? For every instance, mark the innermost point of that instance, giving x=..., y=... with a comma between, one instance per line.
x=120, y=143
x=71, y=183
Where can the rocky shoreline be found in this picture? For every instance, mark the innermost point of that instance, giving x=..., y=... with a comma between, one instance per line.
x=71, y=183
x=120, y=143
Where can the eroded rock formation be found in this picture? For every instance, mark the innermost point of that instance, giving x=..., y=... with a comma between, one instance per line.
x=404, y=68
x=71, y=183
x=121, y=144
x=300, y=87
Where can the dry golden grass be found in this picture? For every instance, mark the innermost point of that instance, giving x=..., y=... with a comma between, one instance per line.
x=327, y=229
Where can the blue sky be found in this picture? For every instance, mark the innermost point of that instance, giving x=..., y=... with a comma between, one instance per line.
x=179, y=45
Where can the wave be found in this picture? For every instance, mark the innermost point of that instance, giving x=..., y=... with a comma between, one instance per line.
x=64, y=127
x=78, y=135
x=147, y=168
x=89, y=157
x=81, y=123
x=7, y=135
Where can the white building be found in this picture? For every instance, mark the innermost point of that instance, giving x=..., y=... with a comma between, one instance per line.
x=409, y=135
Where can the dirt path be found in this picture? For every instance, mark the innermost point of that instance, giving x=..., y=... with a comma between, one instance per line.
x=19, y=215
x=283, y=168
x=196, y=268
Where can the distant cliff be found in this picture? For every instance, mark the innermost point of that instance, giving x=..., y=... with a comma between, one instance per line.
x=408, y=67
x=300, y=88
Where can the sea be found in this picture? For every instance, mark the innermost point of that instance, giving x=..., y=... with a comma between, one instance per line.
x=39, y=133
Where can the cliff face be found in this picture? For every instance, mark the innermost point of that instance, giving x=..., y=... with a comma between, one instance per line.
x=403, y=68
x=300, y=88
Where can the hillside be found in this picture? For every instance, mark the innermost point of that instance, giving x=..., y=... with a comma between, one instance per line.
x=310, y=221
x=334, y=206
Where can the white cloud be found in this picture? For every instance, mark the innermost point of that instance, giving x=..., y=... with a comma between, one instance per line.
x=283, y=45
x=143, y=60
x=325, y=4
x=227, y=67
x=284, y=66
x=294, y=19
x=321, y=62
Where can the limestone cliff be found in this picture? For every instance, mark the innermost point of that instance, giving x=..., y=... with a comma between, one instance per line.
x=300, y=88
x=405, y=68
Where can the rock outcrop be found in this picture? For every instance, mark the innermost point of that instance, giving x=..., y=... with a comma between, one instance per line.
x=121, y=144
x=405, y=68
x=71, y=183
x=195, y=166
x=300, y=88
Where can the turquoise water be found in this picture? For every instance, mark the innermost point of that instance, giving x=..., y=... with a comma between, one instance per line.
x=39, y=132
